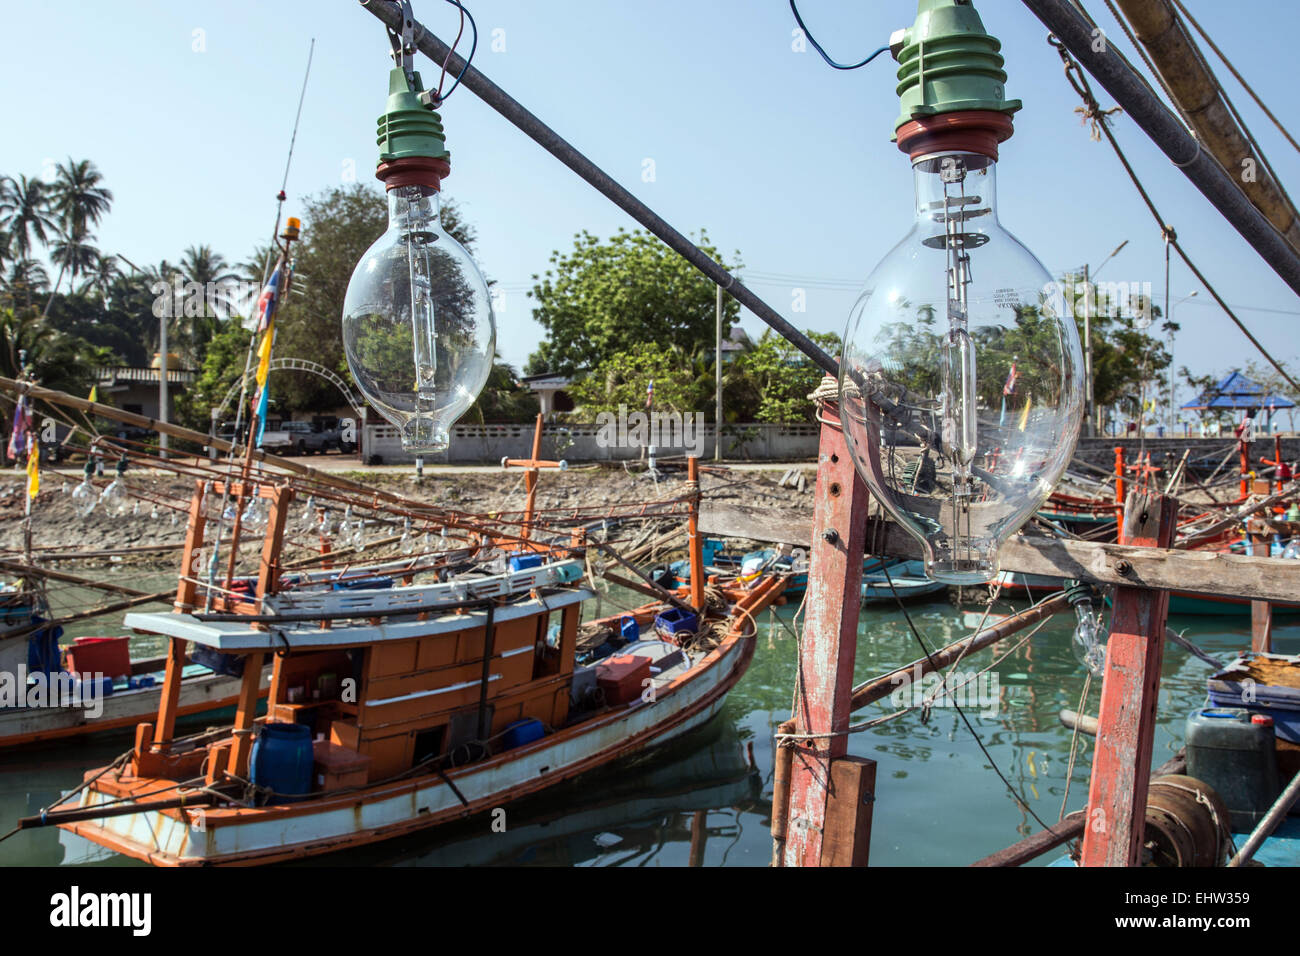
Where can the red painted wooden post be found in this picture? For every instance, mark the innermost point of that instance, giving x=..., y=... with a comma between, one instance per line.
x=1261, y=612
x=829, y=640
x=1119, y=492
x=1121, y=766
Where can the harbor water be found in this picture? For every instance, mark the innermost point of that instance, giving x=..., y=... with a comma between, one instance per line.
x=705, y=799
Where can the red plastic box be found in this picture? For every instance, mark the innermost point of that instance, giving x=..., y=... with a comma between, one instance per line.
x=110, y=656
x=621, y=678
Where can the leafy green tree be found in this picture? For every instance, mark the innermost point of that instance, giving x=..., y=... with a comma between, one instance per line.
x=782, y=377
x=223, y=363
x=606, y=298
x=54, y=358
x=622, y=379
x=503, y=399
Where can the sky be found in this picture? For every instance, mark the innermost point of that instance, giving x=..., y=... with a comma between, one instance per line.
x=187, y=107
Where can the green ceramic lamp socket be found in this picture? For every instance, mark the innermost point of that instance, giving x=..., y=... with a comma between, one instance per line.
x=410, y=128
x=948, y=62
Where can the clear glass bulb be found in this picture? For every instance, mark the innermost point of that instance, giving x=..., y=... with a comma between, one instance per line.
x=85, y=497
x=1089, y=640
x=114, y=499
x=961, y=387
x=407, y=542
x=256, y=514
x=418, y=328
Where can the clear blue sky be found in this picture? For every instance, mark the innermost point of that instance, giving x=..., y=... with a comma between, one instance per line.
x=774, y=153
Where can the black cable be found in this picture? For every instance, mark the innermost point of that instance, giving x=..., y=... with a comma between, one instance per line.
x=961, y=713
x=818, y=47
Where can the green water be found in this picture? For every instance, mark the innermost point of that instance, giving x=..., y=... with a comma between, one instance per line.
x=937, y=800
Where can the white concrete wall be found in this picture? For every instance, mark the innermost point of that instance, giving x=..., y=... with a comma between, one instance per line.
x=488, y=444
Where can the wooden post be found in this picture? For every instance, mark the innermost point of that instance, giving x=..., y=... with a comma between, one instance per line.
x=1121, y=766
x=1261, y=612
x=829, y=644
x=186, y=596
x=269, y=570
x=245, y=713
x=693, y=532
x=531, y=466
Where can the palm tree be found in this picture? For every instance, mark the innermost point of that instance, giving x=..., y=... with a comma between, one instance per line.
x=79, y=201
x=25, y=214
x=100, y=278
x=24, y=277
x=212, y=273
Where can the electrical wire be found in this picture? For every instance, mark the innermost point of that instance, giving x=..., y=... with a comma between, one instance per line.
x=818, y=47
x=465, y=14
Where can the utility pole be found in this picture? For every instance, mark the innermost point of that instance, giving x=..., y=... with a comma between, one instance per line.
x=717, y=384
x=1172, y=405
x=162, y=380
x=1087, y=353
x=1089, y=297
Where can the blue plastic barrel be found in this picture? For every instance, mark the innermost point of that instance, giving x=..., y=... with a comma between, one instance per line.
x=282, y=759
x=522, y=732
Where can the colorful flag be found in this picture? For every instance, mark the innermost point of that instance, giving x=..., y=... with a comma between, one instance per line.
x=18, y=435
x=267, y=302
x=33, y=467
x=1010, y=386
x=650, y=394
x=94, y=393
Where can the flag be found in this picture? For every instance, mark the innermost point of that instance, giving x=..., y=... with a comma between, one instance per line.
x=1010, y=386
x=267, y=302
x=650, y=394
x=1024, y=416
x=33, y=467
x=18, y=435
x=94, y=393
x=261, y=415
x=264, y=357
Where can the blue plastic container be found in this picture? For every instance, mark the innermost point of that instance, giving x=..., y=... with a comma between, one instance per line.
x=144, y=680
x=525, y=560
x=522, y=732
x=674, y=621
x=629, y=629
x=282, y=760
x=99, y=688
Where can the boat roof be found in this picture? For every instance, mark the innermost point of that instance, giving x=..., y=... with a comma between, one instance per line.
x=241, y=637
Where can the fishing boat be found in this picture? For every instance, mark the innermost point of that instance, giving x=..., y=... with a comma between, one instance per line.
x=91, y=686
x=399, y=702
x=908, y=580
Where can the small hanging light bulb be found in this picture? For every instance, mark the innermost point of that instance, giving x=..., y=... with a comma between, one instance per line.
x=418, y=329
x=1089, y=640
x=153, y=513
x=309, y=513
x=359, y=535
x=407, y=542
x=84, y=496
x=116, y=500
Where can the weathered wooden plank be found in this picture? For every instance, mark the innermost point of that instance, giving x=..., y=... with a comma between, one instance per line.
x=846, y=839
x=829, y=644
x=1121, y=764
x=1202, y=572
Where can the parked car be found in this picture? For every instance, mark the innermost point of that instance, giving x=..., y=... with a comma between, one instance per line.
x=319, y=435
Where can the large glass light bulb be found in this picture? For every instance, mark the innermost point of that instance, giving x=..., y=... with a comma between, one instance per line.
x=418, y=327
x=960, y=385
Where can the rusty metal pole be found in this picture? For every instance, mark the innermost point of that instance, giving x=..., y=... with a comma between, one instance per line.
x=825, y=678
x=1121, y=767
x=1119, y=493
